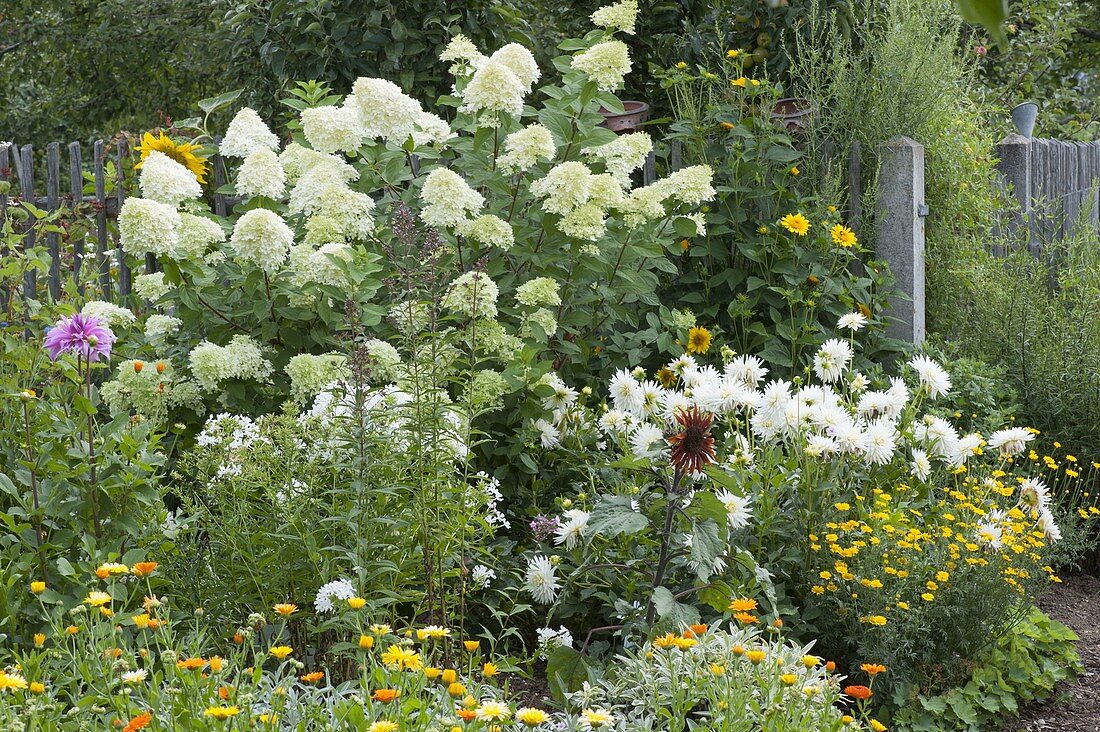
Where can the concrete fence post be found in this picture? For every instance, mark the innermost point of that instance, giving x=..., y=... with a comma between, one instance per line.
x=900, y=233
x=1014, y=163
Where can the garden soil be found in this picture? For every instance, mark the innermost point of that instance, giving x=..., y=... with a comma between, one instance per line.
x=1075, y=706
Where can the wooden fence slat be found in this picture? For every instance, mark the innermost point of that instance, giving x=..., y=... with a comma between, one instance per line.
x=26, y=182
x=120, y=196
x=76, y=191
x=53, y=203
x=103, y=257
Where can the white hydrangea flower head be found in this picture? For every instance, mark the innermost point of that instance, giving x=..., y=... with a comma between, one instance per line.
x=621, y=16
x=462, y=54
x=385, y=361
x=297, y=160
x=319, y=186
x=108, y=313
x=386, y=111
x=494, y=92
x=605, y=191
x=431, y=129
x=489, y=230
x=623, y=155
x=524, y=148
x=333, y=129
x=158, y=326
x=246, y=134
x=473, y=294
x=242, y=358
x=545, y=319
x=585, y=222
x=537, y=292
x=308, y=265
x=521, y=62
x=148, y=227
x=564, y=187
x=449, y=200
x=151, y=286
x=261, y=174
x=644, y=205
x=260, y=237
x=196, y=235
x=164, y=180
x=310, y=374
x=606, y=63
x=692, y=185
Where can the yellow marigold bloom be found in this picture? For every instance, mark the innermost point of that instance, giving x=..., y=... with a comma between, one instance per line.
x=456, y=689
x=190, y=664
x=903, y=605
x=873, y=669
x=795, y=223
x=39, y=640
x=684, y=643
x=927, y=596
x=37, y=687
x=366, y=642
x=755, y=656
x=878, y=726
x=817, y=590
x=312, y=677
x=286, y=609
x=489, y=670
x=431, y=673
x=668, y=640
x=144, y=569
x=383, y=726
x=698, y=340
x=471, y=645
x=595, y=718
x=843, y=236
x=356, y=603
x=449, y=676
x=942, y=576
x=733, y=53
x=794, y=170
x=281, y=652
x=788, y=679
x=681, y=65
x=531, y=717
x=222, y=713
x=72, y=630
x=182, y=152
x=38, y=587
x=878, y=620
x=400, y=658
x=739, y=82
x=717, y=669
x=216, y=663
x=381, y=629
x=97, y=598
x=810, y=661
x=746, y=618
x=743, y=605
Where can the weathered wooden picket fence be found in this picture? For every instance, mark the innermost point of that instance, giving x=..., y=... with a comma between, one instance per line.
x=93, y=258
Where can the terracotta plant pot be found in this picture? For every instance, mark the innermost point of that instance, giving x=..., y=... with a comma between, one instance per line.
x=632, y=117
x=795, y=114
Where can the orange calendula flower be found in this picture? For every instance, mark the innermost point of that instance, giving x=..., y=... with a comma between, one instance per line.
x=222, y=713
x=467, y=715
x=312, y=677
x=190, y=664
x=144, y=569
x=858, y=691
x=743, y=605
x=873, y=669
x=385, y=695
x=141, y=721
x=286, y=609
x=746, y=618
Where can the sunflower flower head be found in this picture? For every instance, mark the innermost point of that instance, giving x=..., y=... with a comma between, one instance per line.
x=182, y=152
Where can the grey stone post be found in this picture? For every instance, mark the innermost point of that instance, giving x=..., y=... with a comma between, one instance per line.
x=1014, y=163
x=900, y=233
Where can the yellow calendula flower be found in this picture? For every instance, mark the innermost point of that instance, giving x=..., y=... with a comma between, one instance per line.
x=286, y=609
x=531, y=717
x=788, y=679
x=878, y=620
x=182, y=152
x=400, y=658
x=356, y=603
x=733, y=53
x=366, y=642
x=755, y=656
x=699, y=339
x=38, y=587
x=489, y=670
x=596, y=718
x=222, y=712
x=795, y=223
x=383, y=725
x=739, y=82
x=97, y=598
x=281, y=652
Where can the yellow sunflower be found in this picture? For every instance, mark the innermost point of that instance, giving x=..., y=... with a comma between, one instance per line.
x=182, y=152
x=698, y=340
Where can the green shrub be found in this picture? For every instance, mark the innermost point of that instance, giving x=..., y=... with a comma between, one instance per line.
x=1024, y=666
